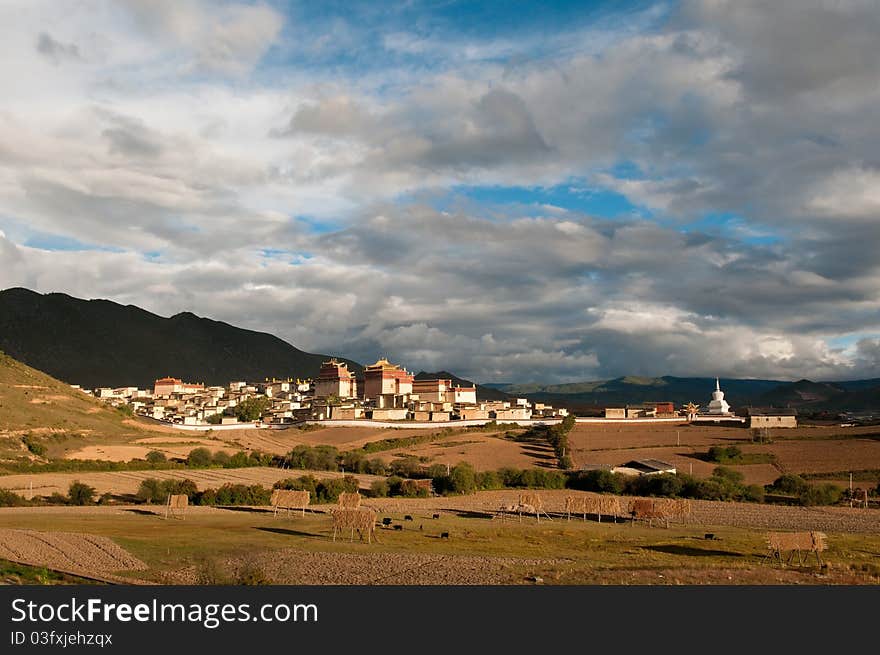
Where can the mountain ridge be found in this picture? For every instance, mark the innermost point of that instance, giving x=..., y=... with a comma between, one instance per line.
x=102, y=343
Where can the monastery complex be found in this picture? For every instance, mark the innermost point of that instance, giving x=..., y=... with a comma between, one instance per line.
x=383, y=391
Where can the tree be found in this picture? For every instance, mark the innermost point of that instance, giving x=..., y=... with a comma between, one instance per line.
x=790, y=484
x=728, y=474
x=199, y=457
x=80, y=493
x=151, y=491
x=379, y=489
x=156, y=457
x=462, y=478
x=252, y=409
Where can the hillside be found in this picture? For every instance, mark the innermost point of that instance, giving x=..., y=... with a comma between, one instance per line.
x=483, y=392
x=101, y=343
x=33, y=401
x=852, y=395
x=803, y=394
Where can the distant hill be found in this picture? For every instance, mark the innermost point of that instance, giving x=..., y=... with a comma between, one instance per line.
x=805, y=395
x=483, y=392
x=856, y=395
x=101, y=343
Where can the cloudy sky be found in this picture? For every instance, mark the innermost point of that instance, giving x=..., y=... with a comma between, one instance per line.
x=506, y=190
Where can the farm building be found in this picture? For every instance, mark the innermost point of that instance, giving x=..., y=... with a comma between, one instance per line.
x=772, y=418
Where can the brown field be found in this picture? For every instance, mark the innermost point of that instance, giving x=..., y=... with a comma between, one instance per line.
x=592, y=436
x=483, y=451
x=124, y=453
x=76, y=553
x=279, y=442
x=127, y=482
x=827, y=455
x=799, y=450
x=481, y=549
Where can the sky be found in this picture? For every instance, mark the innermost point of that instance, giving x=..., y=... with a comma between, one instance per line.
x=511, y=191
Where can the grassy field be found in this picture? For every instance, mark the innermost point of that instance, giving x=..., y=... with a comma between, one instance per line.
x=230, y=544
x=14, y=573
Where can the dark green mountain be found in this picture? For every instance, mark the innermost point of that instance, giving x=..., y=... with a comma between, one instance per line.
x=101, y=343
x=483, y=392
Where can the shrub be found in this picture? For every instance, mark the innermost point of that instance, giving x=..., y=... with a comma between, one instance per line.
x=722, y=454
x=823, y=494
x=354, y=461
x=437, y=471
x=221, y=458
x=394, y=483
x=241, y=494
x=251, y=409
x=728, y=474
x=542, y=479
x=239, y=460
x=319, y=458
x=664, y=484
x=214, y=419
x=80, y=494
x=488, y=480
x=33, y=445
x=712, y=489
x=406, y=467
x=790, y=484
x=462, y=479
x=412, y=489
x=327, y=491
x=156, y=457
x=125, y=409
x=209, y=572
x=251, y=573
x=754, y=493
x=151, y=491
x=376, y=467
x=199, y=457
x=10, y=499
x=379, y=489
x=600, y=480
x=179, y=487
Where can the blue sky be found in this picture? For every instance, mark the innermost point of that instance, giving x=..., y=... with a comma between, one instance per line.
x=508, y=190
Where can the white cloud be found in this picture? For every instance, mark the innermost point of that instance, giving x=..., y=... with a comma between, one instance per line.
x=851, y=193
x=149, y=127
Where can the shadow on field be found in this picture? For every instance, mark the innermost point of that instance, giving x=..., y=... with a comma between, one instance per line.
x=288, y=532
x=142, y=512
x=467, y=514
x=538, y=453
x=241, y=508
x=689, y=551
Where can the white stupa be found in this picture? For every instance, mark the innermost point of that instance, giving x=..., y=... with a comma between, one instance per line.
x=718, y=406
